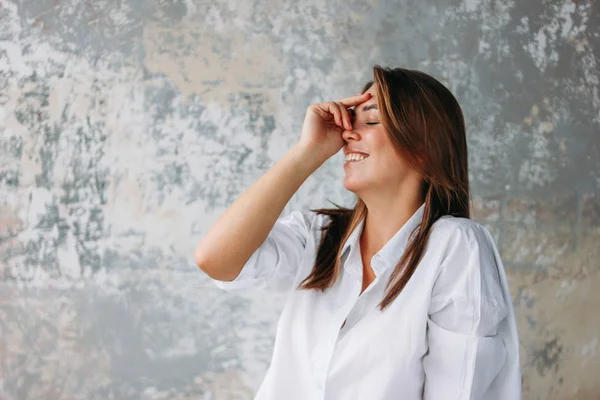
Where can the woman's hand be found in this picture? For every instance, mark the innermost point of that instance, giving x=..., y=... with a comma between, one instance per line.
x=324, y=124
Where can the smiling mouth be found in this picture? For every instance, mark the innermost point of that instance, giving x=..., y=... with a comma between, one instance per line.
x=354, y=161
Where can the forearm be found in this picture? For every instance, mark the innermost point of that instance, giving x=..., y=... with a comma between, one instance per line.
x=245, y=225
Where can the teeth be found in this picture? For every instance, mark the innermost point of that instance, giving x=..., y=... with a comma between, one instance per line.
x=355, y=157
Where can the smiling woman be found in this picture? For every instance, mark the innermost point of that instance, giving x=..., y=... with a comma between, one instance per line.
x=402, y=295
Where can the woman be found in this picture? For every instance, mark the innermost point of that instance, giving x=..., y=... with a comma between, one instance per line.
x=400, y=297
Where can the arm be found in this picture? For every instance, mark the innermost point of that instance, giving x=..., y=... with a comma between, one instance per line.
x=244, y=226
x=471, y=331
x=239, y=232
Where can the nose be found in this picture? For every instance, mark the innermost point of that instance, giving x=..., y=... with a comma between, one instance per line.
x=349, y=135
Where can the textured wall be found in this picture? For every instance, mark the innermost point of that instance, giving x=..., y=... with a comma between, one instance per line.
x=129, y=126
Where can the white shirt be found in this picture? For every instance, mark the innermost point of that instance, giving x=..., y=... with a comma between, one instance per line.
x=450, y=334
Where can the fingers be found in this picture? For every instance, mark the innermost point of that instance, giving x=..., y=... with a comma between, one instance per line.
x=354, y=100
x=332, y=109
x=345, y=116
x=340, y=114
x=339, y=109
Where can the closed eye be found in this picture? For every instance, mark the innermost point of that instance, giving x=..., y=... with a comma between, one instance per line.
x=353, y=117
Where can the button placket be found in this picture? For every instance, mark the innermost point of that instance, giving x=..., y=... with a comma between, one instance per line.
x=321, y=364
x=320, y=392
x=325, y=349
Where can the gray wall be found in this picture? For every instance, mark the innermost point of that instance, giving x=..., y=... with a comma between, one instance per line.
x=128, y=127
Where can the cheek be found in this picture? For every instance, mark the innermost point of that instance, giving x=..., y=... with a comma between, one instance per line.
x=378, y=140
x=390, y=162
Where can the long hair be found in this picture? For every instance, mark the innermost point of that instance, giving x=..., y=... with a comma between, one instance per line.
x=425, y=124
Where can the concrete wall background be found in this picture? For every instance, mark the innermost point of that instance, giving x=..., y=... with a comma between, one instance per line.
x=129, y=126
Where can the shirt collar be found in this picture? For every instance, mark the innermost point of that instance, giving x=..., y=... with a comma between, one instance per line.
x=394, y=248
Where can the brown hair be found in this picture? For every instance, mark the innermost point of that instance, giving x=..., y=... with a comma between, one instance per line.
x=423, y=121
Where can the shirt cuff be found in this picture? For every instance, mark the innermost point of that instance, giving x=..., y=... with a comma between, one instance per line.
x=460, y=366
x=247, y=278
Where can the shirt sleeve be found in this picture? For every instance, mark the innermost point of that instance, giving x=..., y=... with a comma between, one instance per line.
x=468, y=305
x=274, y=265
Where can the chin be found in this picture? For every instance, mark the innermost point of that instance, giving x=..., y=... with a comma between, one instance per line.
x=352, y=186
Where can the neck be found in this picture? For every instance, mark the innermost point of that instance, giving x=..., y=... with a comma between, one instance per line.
x=386, y=215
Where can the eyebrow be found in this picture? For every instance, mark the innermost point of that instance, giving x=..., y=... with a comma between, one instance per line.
x=370, y=107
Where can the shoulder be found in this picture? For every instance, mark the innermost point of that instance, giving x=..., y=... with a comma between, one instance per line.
x=469, y=270
x=449, y=232
x=327, y=217
x=450, y=224
x=464, y=248
x=304, y=216
x=304, y=221
x=311, y=219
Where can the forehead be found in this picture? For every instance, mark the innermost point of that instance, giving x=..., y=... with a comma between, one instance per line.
x=371, y=103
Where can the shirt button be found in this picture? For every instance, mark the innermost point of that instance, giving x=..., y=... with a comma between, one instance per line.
x=376, y=260
x=320, y=386
x=320, y=391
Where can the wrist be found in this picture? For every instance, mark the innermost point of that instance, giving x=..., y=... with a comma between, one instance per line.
x=309, y=155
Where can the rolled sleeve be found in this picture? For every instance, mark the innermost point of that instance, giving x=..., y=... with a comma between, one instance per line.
x=467, y=312
x=460, y=366
x=275, y=264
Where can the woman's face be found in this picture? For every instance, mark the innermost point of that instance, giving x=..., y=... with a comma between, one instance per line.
x=383, y=168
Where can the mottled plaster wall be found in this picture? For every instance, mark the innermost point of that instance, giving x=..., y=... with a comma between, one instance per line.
x=129, y=126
